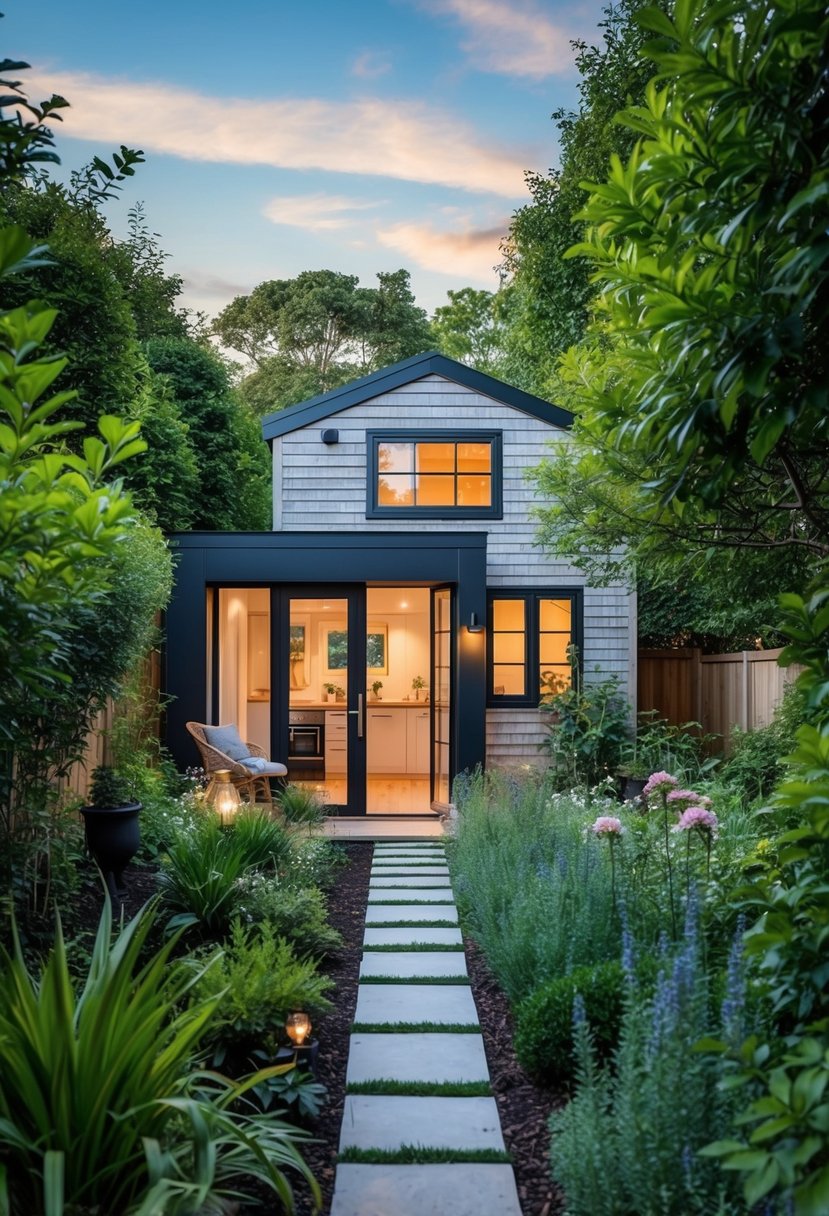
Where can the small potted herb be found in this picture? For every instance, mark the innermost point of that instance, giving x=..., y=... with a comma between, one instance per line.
x=330, y=692
x=418, y=683
x=375, y=690
x=112, y=831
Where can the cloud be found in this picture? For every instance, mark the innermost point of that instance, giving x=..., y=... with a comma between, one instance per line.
x=316, y=212
x=409, y=141
x=513, y=39
x=470, y=253
x=371, y=64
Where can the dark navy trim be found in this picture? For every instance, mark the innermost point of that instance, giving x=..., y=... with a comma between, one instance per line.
x=452, y=435
x=315, y=409
x=531, y=596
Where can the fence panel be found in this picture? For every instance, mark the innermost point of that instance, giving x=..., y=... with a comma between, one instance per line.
x=720, y=691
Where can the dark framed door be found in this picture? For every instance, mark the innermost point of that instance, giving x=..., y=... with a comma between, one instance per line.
x=443, y=666
x=319, y=643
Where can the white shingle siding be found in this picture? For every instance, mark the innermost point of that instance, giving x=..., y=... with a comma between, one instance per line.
x=319, y=486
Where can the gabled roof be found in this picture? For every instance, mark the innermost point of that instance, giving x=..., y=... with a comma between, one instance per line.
x=389, y=378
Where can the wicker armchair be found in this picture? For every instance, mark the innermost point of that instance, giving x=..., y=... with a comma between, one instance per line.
x=247, y=783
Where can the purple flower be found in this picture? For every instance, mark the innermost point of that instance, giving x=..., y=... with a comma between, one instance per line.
x=698, y=817
x=607, y=825
x=659, y=783
x=679, y=799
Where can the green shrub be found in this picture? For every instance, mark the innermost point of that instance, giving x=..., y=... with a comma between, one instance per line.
x=589, y=729
x=544, y=1020
x=313, y=862
x=301, y=805
x=265, y=843
x=199, y=881
x=756, y=764
x=257, y=981
x=299, y=914
x=98, y=1109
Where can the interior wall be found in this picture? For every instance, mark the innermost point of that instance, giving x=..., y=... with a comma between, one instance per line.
x=237, y=675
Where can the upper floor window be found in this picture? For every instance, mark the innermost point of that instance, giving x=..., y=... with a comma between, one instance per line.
x=434, y=474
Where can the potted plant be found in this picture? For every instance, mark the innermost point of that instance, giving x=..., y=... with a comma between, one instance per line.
x=418, y=683
x=375, y=690
x=113, y=834
x=330, y=692
x=339, y=692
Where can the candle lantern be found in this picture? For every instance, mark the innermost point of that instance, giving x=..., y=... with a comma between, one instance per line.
x=223, y=796
x=298, y=1028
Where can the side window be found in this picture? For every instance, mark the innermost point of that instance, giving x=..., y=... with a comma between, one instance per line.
x=530, y=633
x=434, y=474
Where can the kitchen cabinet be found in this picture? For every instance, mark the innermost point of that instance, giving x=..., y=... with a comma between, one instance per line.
x=385, y=740
x=336, y=741
x=418, y=738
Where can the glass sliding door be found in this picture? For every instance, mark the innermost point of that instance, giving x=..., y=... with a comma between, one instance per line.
x=442, y=663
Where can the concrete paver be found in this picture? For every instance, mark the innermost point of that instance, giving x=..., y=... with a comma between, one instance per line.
x=415, y=1003
x=388, y=1121
x=412, y=879
x=412, y=935
x=417, y=1057
x=425, y=1190
x=435, y=895
x=398, y=914
x=414, y=962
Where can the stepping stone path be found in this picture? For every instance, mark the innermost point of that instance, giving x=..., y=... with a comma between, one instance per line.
x=403, y=981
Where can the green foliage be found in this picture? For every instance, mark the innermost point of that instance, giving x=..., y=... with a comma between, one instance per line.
x=108, y=788
x=544, y=1020
x=757, y=760
x=299, y=804
x=298, y=914
x=313, y=333
x=232, y=488
x=265, y=843
x=588, y=730
x=256, y=982
x=294, y=1093
x=98, y=1110
x=471, y=329
x=548, y=296
x=660, y=746
x=628, y=1142
x=199, y=881
x=537, y=900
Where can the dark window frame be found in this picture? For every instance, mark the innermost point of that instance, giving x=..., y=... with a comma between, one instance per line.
x=532, y=619
x=447, y=435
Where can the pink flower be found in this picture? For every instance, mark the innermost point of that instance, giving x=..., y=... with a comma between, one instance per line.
x=607, y=825
x=659, y=783
x=678, y=798
x=698, y=817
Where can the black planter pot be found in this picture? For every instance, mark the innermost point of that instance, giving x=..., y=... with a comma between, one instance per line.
x=113, y=836
x=632, y=787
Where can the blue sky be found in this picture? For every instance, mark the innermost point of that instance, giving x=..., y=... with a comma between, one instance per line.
x=356, y=136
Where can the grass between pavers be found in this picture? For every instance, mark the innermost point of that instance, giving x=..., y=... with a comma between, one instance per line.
x=421, y=1154
x=415, y=1028
x=407, y=903
x=422, y=1089
x=405, y=886
x=409, y=865
x=414, y=979
x=414, y=948
x=412, y=924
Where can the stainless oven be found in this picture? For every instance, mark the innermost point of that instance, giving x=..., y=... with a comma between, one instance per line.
x=306, y=744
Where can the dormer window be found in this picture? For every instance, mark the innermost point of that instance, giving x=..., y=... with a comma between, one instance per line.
x=434, y=474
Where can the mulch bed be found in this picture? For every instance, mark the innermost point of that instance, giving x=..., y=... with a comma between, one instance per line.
x=524, y=1108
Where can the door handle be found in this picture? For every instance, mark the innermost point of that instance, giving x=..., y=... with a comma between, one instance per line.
x=359, y=712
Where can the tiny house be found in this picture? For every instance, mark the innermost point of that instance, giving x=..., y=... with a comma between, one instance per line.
x=399, y=624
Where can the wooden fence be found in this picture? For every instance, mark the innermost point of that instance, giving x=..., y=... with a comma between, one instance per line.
x=98, y=750
x=720, y=691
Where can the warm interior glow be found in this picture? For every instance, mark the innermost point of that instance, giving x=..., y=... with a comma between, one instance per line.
x=298, y=1028
x=434, y=474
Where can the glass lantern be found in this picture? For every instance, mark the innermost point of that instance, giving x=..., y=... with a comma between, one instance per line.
x=298, y=1028
x=224, y=796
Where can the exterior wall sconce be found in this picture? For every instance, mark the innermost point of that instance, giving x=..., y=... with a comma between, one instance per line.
x=330, y=436
x=475, y=625
x=223, y=796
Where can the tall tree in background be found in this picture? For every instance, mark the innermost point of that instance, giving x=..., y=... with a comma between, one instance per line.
x=472, y=328
x=549, y=295
x=310, y=334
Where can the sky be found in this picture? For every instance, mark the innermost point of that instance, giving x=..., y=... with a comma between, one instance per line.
x=353, y=135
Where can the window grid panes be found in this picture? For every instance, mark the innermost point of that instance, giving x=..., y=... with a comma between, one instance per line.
x=435, y=474
x=530, y=640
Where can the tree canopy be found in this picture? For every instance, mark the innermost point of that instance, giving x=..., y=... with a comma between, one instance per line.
x=310, y=334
